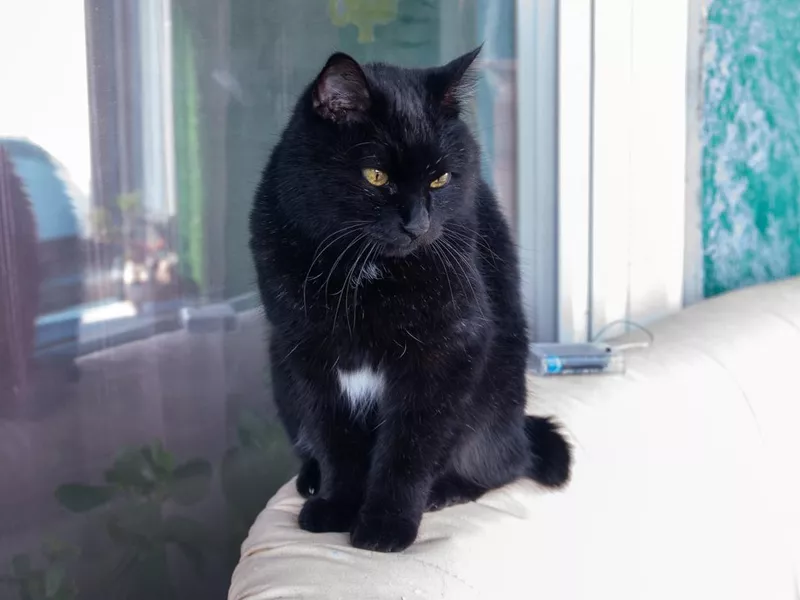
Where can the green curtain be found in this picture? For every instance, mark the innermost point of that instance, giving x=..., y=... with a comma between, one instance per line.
x=188, y=162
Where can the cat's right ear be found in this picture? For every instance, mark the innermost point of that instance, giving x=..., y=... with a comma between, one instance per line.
x=341, y=92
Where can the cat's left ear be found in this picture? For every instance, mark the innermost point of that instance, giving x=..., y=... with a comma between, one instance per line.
x=452, y=84
x=341, y=92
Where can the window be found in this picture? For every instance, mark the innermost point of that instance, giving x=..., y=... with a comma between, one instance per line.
x=137, y=436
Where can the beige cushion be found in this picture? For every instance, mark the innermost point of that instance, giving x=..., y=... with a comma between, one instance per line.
x=686, y=485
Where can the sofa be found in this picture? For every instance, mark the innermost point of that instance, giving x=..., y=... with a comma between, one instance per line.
x=686, y=485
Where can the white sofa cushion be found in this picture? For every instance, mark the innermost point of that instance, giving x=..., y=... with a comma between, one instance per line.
x=686, y=485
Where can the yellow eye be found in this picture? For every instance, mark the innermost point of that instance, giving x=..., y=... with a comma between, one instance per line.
x=441, y=181
x=375, y=177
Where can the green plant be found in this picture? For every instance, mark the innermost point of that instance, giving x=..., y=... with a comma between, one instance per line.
x=130, y=204
x=48, y=582
x=252, y=471
x=102, y=224
x=141, y=483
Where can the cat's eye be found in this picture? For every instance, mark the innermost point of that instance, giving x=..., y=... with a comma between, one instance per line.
x=440, y=181
x=375, y=177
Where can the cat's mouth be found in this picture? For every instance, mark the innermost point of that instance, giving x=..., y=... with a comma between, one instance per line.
x=399, y=251
x=403, y=247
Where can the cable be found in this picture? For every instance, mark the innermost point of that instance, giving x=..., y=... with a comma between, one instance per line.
x=651, y=338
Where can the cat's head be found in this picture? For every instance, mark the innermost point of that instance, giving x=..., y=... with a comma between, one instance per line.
x=380, y=151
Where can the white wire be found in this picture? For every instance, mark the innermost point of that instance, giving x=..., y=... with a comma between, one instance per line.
x=651, y=338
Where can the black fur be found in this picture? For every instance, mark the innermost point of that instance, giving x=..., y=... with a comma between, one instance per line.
x=420, y=285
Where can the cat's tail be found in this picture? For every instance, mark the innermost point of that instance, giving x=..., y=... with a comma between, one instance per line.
x=551, y=453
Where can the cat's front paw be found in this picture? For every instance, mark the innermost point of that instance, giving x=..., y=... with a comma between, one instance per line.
x=383, y=533
x=320, y=515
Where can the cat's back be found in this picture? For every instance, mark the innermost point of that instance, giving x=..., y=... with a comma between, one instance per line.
x=498, y=262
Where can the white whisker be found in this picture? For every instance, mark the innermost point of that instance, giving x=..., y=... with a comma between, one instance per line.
x=459, y=260
x=343, y=290
x=340, y=233
x=338, y=259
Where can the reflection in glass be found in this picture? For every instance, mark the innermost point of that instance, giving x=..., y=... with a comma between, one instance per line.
x=137, y=437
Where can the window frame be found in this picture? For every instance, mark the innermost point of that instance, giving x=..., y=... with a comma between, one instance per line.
x=617, y=59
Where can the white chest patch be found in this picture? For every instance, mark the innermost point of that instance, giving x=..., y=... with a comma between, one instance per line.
x=362, y=387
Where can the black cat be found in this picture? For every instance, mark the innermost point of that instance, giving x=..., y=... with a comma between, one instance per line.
x=391, y=282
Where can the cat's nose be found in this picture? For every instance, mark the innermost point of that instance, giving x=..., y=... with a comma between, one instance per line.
x=418, y=224
x=416, y=229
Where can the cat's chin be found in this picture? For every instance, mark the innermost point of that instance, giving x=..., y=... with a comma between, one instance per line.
x=401, y=251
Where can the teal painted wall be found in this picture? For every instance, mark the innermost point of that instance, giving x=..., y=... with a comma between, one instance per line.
x=751, y=143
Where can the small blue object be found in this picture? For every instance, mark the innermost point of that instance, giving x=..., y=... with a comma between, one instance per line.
x=575, y=359
x=553, y=364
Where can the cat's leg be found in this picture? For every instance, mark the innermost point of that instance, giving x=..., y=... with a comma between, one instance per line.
x=506, y=448
x=493, y=452
x=451, y=489
x=410, y=446
x=289, y=404
x=421, y=423
x=342, y=448
x=333, y=449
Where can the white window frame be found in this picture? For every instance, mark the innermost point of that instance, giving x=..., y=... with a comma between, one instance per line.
x=694, y=280
x=537, y=136
x=623, y=126
x=575, y=120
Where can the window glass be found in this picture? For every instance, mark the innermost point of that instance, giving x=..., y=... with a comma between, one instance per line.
x=138, y=439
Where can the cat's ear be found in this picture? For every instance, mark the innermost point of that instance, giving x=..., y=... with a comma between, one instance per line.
x=453, y=84
x=341, y=92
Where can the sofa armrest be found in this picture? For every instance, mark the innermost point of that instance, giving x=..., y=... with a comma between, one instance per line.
x=686, y=485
